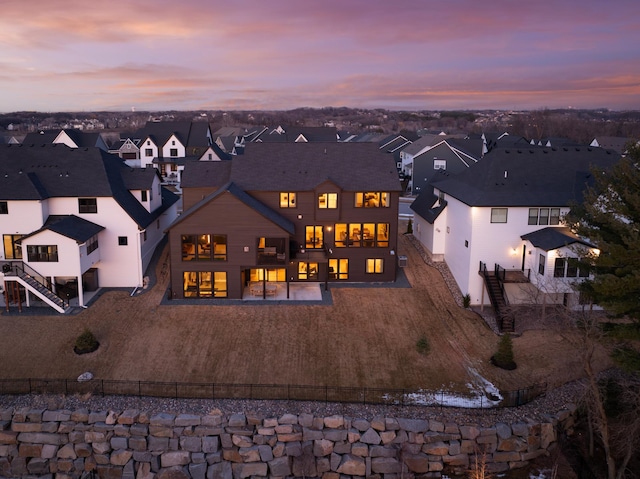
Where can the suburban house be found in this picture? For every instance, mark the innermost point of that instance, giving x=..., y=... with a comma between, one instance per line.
x=285, y=213
x=128, y=149
x=452, y=154
x=74, y=220
x=498, y=224
x=168, y=145
x=71, y=137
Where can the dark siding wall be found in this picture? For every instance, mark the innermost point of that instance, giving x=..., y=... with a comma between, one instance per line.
x=242, y=225
x=190, y=196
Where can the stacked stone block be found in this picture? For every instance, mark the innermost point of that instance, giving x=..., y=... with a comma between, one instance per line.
x=135, y=445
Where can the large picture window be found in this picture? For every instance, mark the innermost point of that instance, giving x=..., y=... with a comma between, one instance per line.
x=372, y=199
x=366, y=235
x=204, y=284
x=204, y=247
x=42, y=253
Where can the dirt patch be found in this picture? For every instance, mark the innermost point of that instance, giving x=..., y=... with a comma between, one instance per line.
x=366, y=338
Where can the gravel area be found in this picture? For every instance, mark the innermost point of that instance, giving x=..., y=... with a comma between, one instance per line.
x=539, y=409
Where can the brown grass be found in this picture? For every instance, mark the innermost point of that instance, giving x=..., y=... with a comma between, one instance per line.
x=367, y=338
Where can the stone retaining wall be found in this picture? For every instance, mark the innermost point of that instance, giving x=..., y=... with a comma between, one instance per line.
x=132, y=444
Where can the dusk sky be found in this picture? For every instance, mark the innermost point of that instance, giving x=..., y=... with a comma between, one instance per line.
x=72, y=55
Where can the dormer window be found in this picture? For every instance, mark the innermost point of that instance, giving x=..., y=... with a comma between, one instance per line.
x=328, y=200
x=439, y=164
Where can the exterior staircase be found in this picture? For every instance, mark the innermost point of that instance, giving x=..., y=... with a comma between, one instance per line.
x=37, y=288
x=506, y=321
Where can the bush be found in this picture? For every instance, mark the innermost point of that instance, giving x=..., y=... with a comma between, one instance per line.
x=422, y=345
x=503, y=358
x=466, y=300
x=86, y=343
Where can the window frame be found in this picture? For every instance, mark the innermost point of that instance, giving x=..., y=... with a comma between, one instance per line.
x=495, y=217
x=288, y=199
x=92, y=244
x=87, y=205
x=374, y=266
x=37, y=254
x=439, y=164
x=123, y=240
x=16, y=249
x=327, y=201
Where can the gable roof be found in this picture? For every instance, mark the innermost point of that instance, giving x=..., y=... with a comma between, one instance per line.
x=532, y=176
x=270, y=214
x=427, y=206
x=56, y=170
x=70, y=226
x=555, y=237
x=303, y=166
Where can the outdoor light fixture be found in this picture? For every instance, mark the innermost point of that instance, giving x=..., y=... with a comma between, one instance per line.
x=299, y=217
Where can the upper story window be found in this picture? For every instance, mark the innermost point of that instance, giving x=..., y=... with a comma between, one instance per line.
x=367, y=235
x=4, y=208
x=123, y=241
x=287, y=200
x=328, y=200
x=372, y=199
x=92, y=244
x=499, y=215
x=42, y=253
x=143, y=195
x=87, y=205
x=544, y=216
x=204, y=247
x=148, y=152
x=12, y=249
x=439, y=164
x=173, y=152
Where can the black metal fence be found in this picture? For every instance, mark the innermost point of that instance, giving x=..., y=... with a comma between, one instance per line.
x=394, y=397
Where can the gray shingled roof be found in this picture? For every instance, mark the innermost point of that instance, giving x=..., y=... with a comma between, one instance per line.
x=529, y=176
x=551, y=238
x=303, y=166
x=206, y=174
x=52, y=171
x=427, y=206
x=71, y=226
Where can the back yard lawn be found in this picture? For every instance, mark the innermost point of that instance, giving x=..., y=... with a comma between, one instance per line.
x=366, y=338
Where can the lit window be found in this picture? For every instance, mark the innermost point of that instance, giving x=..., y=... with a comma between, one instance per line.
x=338, y=268
x=372, y=199
x=328, y=200
x=287, y=200
x=375, y=265
x=314, y=237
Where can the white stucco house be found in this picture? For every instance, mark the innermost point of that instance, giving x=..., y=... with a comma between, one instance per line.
x=504, y=215
x=75, y=220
